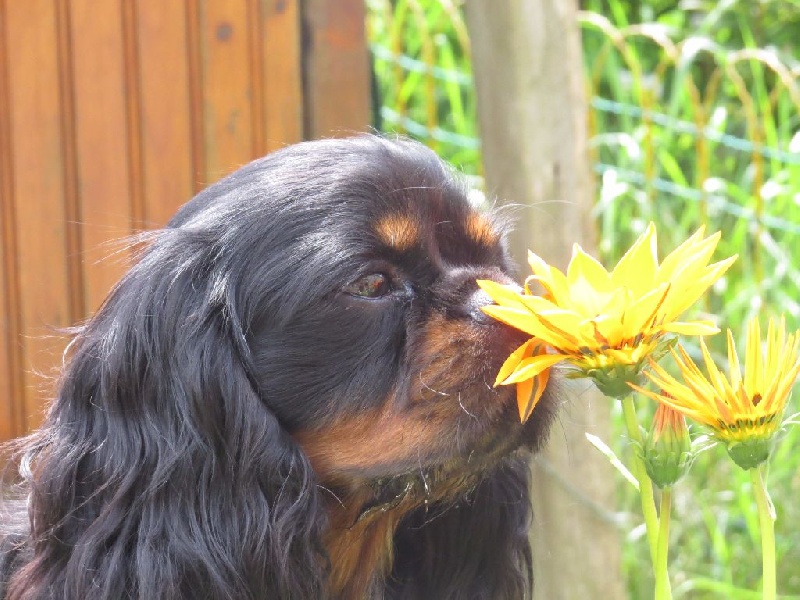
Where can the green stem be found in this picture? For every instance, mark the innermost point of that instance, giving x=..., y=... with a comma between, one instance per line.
x=663, y=591
x=645, y=485
x=767, y=521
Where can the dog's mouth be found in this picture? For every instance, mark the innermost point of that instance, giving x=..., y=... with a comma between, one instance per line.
x=443, y=425
x=424, y=461
x=443, y=482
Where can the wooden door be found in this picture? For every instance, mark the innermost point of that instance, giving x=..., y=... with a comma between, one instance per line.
x=114, y=113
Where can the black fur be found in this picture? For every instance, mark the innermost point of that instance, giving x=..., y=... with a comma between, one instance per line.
x=167, y=467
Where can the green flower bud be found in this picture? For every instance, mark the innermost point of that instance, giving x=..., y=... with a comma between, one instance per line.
x=667, y=451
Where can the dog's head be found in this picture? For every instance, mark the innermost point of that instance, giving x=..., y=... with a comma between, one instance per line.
x=352, y=267
x=301, y=350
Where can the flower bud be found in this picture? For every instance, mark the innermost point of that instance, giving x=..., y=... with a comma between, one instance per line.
x=667, y=451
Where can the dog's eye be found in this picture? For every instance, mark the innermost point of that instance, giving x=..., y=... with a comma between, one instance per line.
x=373, y=285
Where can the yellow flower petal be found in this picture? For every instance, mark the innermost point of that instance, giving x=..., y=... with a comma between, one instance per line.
x=532, y=381
x=564, y=329
x=525, y=399
x=691, y=289
x=585, y=267
x=733, y=362
x=753, y=371
x=518, y=318
x=553, y=280
x=539, y=266
x=539, y=385
x=641, y=314
x=503, y=294
x=529, y=368
x=608, y=331
x=516, y=357
x=636, y=269
x=690, y=256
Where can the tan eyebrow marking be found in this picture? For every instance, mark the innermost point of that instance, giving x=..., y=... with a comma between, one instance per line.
x=481, y=230
x=397, y=231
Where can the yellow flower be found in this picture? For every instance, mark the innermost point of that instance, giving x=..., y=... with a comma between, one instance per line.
x=742, y=411
x=606, y=323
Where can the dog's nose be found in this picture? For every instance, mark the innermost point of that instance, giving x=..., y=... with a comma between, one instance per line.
x=475, y=302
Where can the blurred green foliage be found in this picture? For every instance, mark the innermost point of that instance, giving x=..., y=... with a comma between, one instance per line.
x=694, y=120
x=731, y=23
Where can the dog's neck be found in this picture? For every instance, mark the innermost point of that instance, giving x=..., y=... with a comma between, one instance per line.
x=362, y=523
x=359, y=543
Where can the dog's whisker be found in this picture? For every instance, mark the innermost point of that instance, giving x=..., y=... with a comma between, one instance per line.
x=422, y=476
x=430, y=389
x=464, y=408
x=332, y=493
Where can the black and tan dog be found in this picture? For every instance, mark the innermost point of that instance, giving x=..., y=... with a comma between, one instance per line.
x=289, y=396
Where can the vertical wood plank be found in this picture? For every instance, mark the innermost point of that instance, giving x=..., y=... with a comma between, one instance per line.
x=10, y=425
x=226, y=86
x=38, y=175
x=281, y=42
x=197, y=114
x=101, y=142
x=133, y=112
x=336, y=68
x=113, y=114
x=166, y=109
x=255, y=33
x=72, y=234
x=10, y=350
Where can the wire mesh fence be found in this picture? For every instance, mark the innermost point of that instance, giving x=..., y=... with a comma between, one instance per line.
x=688, y=132
x=684, y=131
x=421, y=60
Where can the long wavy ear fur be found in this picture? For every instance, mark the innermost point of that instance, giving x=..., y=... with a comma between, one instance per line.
x=475, y=549
x=160, y=473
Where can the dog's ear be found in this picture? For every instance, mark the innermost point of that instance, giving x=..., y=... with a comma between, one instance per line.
x=161, y=469
x=477, y=548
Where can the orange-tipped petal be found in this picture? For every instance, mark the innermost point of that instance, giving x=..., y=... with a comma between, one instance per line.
x=525, y=399
x=529, y=392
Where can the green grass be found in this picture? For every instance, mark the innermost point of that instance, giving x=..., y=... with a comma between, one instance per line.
x=727, y=157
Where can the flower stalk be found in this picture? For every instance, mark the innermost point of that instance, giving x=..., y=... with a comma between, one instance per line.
x=766, y=517
x=663, y=591
x=645, y=484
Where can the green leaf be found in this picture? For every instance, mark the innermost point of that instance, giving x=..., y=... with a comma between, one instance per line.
x=612, y=458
